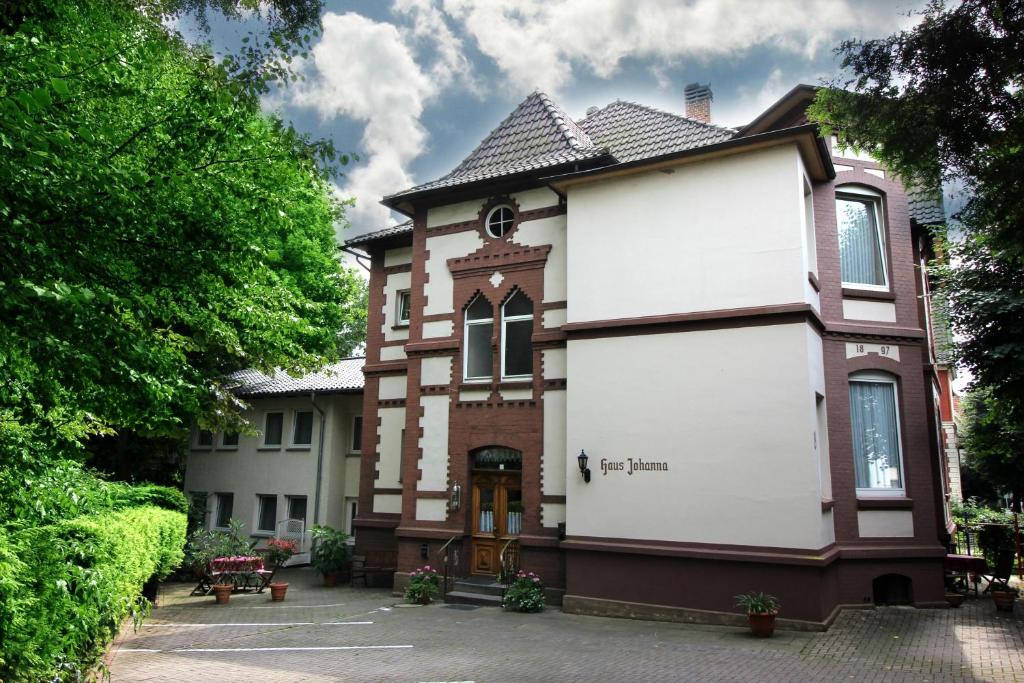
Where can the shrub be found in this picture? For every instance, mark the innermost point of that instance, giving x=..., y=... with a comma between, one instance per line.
x=758, y=603
x=526, y=594
x=330, y=554
x=279, y=550
x=206, y=544
x=424, y=584
x=68, y=586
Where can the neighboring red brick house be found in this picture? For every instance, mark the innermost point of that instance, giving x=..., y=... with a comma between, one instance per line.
x=729, y=324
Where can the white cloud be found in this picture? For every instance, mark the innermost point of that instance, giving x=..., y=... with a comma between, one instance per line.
x=366, y=70
x=539, y=43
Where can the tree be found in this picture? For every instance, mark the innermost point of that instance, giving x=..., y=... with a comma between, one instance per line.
x=158, y=233
x=944, y=101
x=993, y=441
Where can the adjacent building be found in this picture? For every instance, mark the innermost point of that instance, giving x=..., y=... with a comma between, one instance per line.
x=300, y=468
x=670, y=361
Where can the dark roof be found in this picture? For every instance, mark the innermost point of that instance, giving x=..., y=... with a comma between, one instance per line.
x=925, y=206
x=536, y=135
x=633, y=131
x=940, y=329
x=345, y=376
x=394, y=231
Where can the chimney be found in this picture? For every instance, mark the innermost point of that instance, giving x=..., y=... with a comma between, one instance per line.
x=698, y=102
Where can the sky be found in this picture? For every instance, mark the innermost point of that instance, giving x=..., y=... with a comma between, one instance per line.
x=412, y=86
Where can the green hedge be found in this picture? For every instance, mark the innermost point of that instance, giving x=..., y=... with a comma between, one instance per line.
x=66, y=587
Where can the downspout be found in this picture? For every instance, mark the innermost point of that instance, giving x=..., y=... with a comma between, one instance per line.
x=319, y=459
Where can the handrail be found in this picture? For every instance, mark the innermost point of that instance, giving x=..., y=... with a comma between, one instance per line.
x=446, y=560
x=508, y=559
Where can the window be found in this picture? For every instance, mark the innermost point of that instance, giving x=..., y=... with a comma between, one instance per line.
x=296, y=507
x=500, y=221
x=229, y=440
x=861, y=253
x=204, y=438
x=874, y=422
x=302, y=432
x=225, y=506
x=403, y=306
x=517, y=328
x=357, y=434
x=273, y=427
x=812, y=249
x=351, y=508
x=266, y=514
x=479, y=355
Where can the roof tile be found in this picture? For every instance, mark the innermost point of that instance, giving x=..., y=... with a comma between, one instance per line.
x=343, y=376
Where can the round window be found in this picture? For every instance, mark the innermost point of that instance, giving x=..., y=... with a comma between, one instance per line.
x=500, y=221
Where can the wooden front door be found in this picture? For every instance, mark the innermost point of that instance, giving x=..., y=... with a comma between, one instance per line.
x=497, y=517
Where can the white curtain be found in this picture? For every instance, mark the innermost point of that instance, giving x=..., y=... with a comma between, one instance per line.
x=876, y=448
x=860, y=253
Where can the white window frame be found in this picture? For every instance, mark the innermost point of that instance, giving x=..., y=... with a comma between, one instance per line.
x=858, y=193
x=465, y=342
x=351, y=512
x=355, y=430
x=883, y=378
x=292, y=443
x=263, y=437
x=288, y=506
x=490, y=214
x=400, y=296
x=222, y=446
x=504, y=323
x=216, y=513
x=257, y=530
x=203, y=446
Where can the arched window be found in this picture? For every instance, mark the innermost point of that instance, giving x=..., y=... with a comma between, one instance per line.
x=875, y=426
x=478, y=357
x=861, y=238
x=517, y=328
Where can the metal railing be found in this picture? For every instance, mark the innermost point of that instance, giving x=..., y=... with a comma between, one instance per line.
x=508, y=558
x=449, y=555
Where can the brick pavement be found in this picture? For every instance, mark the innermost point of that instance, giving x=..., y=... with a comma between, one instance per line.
x=439, y=643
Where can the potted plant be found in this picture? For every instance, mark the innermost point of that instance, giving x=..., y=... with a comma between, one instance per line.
x=1004, y=597
x=277, y=552
x=424, y=584
x=761, y=612
x=330, y=552
x=526, y=594
x=222, y=592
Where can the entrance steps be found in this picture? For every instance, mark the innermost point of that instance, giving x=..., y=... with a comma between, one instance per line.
x=475, y=590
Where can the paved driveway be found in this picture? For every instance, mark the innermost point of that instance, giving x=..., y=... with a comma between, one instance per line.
x=358, y=634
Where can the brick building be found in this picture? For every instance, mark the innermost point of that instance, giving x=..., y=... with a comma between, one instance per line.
x=729, y=324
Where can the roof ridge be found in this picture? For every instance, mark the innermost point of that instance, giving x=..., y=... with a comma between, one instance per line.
x=662, y=112
x=576, y=136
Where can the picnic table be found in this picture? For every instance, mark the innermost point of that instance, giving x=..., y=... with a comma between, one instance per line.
x=961, y=567
x=246, y=572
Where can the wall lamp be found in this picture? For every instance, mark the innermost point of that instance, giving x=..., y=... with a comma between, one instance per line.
x=456, y=499
x=584, y=470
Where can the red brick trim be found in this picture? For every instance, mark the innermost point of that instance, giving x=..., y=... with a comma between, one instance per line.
x=432, y=495
x=508, y=259
x=813, y=279
x=496, y=404
x=703, y=320
x=434, y=389
x=400, y=268
x=380, y=520
x=827, y=504
x=905, y=334
x=733, y=553
x=385, y=492
x=392, y=367
x=896, y=551
x=391, y=403
x=559, y=500
x=885, y=503
x=849, y=293
x=555, y=384
x=554, y=305
x=548, y=338
x=438, y=317
x=395, y=342
x=466, y=226
x=443, y=345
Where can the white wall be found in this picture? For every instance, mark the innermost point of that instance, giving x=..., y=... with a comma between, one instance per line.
x=731, y=413
x=439, y=286
x=433, y=464
x=547, y=231
x=395, y=283
x=720, y=234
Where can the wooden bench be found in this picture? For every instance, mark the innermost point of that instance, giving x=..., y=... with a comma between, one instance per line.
x=374, y=563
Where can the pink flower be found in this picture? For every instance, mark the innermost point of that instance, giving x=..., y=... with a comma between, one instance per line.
x=412, y=573
x=536, y=580
x=427, y=568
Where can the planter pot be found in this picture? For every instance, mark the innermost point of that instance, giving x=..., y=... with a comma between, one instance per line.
x=954, y=599
x=762, y=625
x=222, y=592
x=277, y=591
x=1004, y=600
x=330, y=579
x=424, y=600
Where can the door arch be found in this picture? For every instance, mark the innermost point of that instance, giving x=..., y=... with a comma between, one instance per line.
x=497, y=514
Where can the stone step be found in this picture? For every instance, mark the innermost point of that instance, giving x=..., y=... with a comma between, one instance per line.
x=464, y=598
x=489, y=588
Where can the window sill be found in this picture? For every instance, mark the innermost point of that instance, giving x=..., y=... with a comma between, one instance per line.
x=827, y=504
x=354, y=454
x=268, y=448
x=894, y=503
x=514, y=382
x=477, y=384
x=300, y=448
x=227, y=448
x=261, y=533
x=400, y=326
x=881, y=295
